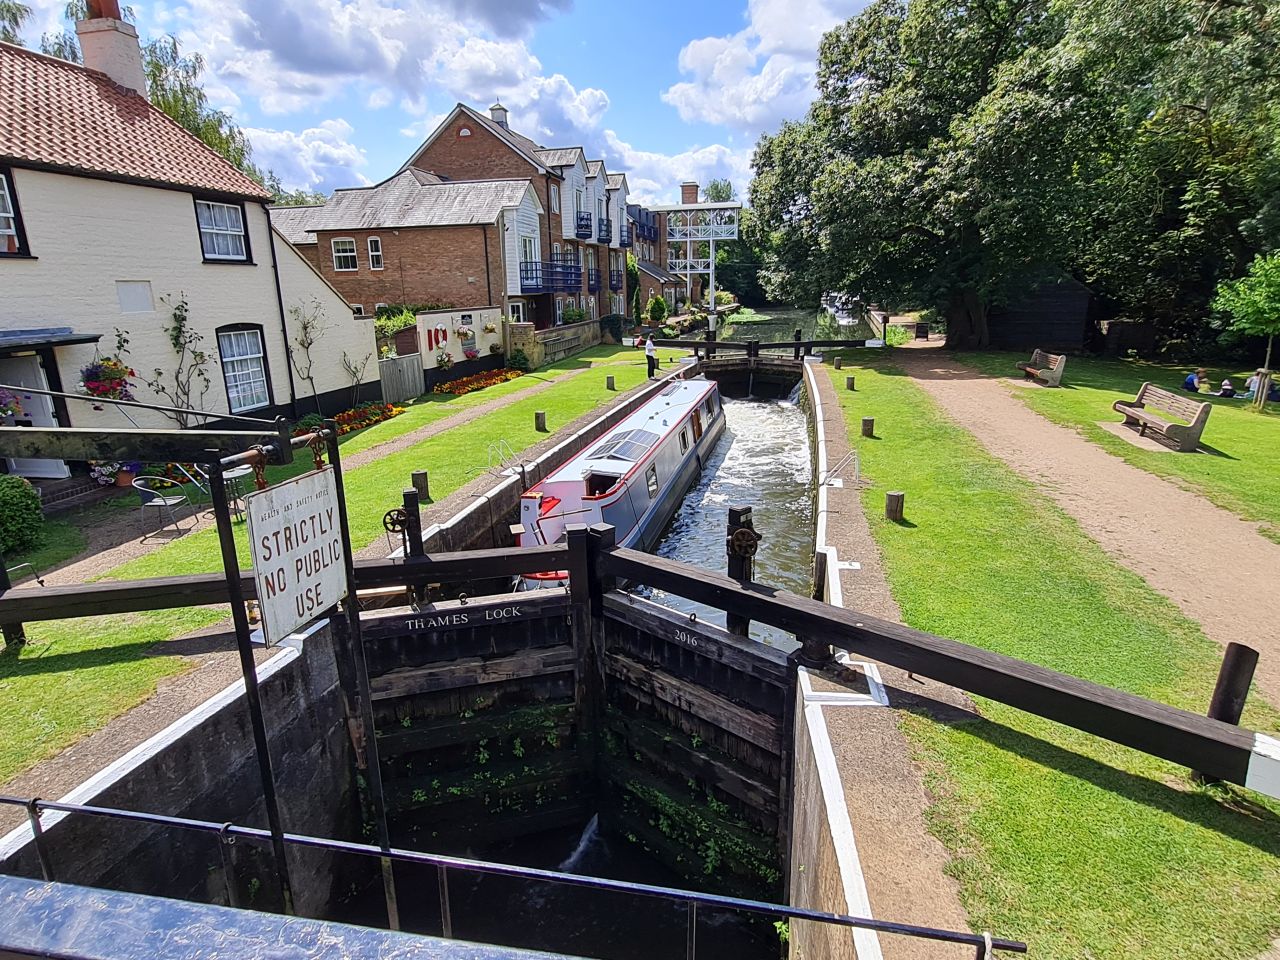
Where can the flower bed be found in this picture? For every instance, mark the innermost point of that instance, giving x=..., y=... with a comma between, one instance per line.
x=477, y=381
x=357, y=418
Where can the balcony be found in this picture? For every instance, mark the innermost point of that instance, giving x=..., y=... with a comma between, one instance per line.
x=582, y=225
x=564, y=274
x=533, y=276
x=604, y=230
x=624, y=236
x=615, y=279
x=593, y=279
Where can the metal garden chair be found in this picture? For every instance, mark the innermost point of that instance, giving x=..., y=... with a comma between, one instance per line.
x=166, y=496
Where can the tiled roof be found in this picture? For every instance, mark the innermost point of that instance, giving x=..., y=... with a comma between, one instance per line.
x=61, y=115
x=415, y=199
x=594, y=167
x=292, y=222
x=560, y=156
x=615, y=181
x=657, y=272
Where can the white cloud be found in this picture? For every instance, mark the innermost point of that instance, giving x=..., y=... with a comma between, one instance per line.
x=318, y=158
x=763, y=74
x=656, y=177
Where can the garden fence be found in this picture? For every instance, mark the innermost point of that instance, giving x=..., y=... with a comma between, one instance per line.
x=402, y=377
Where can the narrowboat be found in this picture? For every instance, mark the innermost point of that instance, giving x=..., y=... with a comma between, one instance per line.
x=633, y=478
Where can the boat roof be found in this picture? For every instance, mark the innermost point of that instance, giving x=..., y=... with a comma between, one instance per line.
x=618, y=450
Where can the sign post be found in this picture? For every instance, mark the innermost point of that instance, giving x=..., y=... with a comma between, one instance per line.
x=299, y=563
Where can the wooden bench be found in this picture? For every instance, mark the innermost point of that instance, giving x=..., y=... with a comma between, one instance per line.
x=1045, y=367
x=1184, y=437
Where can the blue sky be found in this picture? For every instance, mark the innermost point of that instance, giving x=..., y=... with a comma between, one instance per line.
x=336, y=93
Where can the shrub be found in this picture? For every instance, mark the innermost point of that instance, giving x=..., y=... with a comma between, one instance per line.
x=389, y=324
x=312, y=421
x=21, y=522
x=519, y=360
x=573, y=315
x=611, y=326
x=656, y=310
x=724, y=298
x=896, y=336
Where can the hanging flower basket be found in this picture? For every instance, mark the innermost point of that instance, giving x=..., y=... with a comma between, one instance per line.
x=107, y=377
x=471, y=353
x=490, y=328
x=444, y=359
x=10, y=405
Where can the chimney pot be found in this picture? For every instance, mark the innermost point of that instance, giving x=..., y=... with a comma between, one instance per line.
x=110, y=45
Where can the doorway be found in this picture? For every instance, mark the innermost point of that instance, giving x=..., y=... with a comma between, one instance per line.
x=37, y=411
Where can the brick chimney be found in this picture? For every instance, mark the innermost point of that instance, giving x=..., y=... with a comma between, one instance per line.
x=499, y=114
x=111, y=46
x=689, y=191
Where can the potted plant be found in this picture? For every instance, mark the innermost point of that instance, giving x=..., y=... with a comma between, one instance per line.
x=490, y=328
x=10, y=405
x=107, y=377
x=444, y=359
x=127, y=473
x=470, y=353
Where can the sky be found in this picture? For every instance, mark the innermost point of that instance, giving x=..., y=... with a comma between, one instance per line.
x=335, y=94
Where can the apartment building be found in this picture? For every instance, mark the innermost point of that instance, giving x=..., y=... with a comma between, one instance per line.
x=479, y=214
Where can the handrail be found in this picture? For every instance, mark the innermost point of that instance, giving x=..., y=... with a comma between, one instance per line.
x=230, y=831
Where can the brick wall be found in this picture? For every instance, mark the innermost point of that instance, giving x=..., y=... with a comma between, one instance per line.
x=420, y=265
x=310, y=253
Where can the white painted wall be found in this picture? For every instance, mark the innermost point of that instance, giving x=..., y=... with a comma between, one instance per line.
x=85, y=235
x=575, y=179
x=446, y=323
x=524, y=220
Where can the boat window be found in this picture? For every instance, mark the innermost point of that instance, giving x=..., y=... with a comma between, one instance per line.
x=684, y=441
x=668, y=391
x=627, y=445
x=651, y=478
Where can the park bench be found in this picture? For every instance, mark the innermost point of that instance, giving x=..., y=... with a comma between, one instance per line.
x=1184, y=437
x=1045, y=367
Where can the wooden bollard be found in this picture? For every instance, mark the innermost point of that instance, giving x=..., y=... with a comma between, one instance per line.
x=839, y=362
x=868, y=426
x=422, y=483
x=1232, y=688
x=894, y=505
x=609, y=384
x=848, y=383
x=540, y=421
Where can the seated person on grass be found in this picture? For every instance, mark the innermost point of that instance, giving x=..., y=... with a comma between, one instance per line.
x=1195, y=380
x=1227, y=390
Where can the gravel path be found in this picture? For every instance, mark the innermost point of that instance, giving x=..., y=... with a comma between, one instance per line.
x=903, y=863
x=1215, y=566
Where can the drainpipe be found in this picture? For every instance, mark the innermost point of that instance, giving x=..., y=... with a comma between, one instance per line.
x=284, y=327
x=488, y=277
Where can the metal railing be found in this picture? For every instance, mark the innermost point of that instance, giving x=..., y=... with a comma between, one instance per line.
x=604, y=230
x=624, y=236
x=532, y=276
x=582, y=224
x=228, y=833
x=615, y=279
x=593, y=279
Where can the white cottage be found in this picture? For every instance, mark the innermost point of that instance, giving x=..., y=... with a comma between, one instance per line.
x=111, y=215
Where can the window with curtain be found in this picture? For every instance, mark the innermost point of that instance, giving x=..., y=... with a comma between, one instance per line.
x=244, y=368
x=344, y=254
x=10, y=237
x=221, y=230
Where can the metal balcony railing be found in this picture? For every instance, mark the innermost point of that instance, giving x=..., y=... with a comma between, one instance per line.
x=533, y=276
x=624, y=236
x=604, y=231
x=582, y=225
x=615, y=279
x=564, y=274
x=593, y=279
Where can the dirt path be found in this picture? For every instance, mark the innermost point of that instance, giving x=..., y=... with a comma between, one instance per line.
x=1215, y=566
x=902, y=862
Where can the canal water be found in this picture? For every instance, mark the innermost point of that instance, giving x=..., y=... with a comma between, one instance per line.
x=762, y=462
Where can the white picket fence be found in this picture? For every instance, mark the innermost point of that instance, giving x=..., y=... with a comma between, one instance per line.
x=401, y=377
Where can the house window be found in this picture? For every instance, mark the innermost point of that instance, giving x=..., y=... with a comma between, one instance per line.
x=559, y=311
x=577, y=201
x=222, y=234
x=555, y=252
x=375, y=253
x=651, y=479
x=516, y=310
x=591, y=308
x=344, y=255
x=244, y=368
x=555, y=198
x=357, y=309
x=13, y=241
x=528, y=249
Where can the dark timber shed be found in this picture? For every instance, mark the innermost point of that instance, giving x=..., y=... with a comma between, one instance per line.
x=1053, y=316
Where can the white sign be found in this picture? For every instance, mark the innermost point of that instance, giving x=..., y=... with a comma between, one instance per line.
x=298, y=562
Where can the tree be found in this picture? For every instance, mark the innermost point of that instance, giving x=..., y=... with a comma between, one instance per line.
x=633, y=274
x=719, y=190
x=309, y=326
x=1253, y=303
x=656, y=310
x=290, y=198
x=13, y=15
x=637, y=303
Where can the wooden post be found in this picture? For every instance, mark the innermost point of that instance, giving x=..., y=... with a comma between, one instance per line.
x=540, y=421
x=868, y=426
x=711, y=339
x=609, y=384
x=15, y=635
x=839, y=362
x=796, y=350
x=894, y=505
x=413, y=524
x=740, y=546
x=848, y=383
x=1232, y=688
x=813, y=652
x=422, y=483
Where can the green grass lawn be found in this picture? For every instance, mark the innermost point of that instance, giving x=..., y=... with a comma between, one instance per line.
x=75, y=675
x=1241, y=470
x=1079, y=846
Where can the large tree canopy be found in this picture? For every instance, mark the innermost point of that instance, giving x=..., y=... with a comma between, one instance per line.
x=958, y=153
